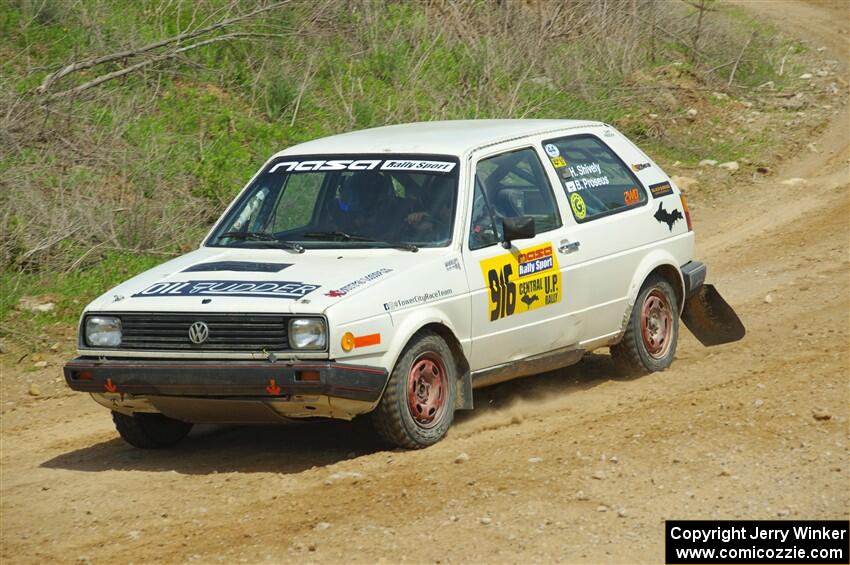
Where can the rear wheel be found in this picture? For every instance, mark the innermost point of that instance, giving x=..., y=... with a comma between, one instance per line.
x=150, y=431
x=652, y=333
x=417, y=407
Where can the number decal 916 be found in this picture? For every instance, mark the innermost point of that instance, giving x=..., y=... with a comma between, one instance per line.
x=522, y=281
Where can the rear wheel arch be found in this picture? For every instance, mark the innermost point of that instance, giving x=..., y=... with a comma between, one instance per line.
x=665, y=265
x=673, y=276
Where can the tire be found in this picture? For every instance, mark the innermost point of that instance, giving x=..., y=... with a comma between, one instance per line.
x=652, y=333
x=417, y=407
x=150, y=431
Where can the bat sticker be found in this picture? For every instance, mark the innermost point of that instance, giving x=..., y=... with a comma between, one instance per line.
x=665, y=217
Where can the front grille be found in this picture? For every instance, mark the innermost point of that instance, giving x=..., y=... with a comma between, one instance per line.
x=227, y=332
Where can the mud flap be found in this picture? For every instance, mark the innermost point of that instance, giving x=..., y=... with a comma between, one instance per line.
x=710, y=318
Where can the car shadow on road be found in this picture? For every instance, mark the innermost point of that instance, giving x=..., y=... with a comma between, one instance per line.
x=232, y=449
x=297, y=447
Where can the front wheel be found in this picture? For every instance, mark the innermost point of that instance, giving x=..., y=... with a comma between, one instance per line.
x=417, y=407
x=150, y=431
x=652, y=333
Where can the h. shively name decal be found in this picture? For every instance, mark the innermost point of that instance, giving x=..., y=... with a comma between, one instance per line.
x=264, y=289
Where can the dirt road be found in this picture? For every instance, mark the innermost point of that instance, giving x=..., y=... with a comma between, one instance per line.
x=577, y=466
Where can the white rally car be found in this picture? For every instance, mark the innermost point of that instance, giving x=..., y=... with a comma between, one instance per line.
x=391, y=271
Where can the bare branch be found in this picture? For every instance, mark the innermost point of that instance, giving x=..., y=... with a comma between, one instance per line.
x=161, y=57
x=80, y=65
x=738, y=60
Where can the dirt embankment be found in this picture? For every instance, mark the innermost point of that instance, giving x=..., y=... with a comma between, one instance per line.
x=577, y=465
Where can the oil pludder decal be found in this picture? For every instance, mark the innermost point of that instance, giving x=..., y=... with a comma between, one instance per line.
x=665, y=217
x=262, y=289
x=519, y=282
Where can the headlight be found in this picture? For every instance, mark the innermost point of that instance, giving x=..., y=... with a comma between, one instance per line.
x=103, y=331
x=307, y=333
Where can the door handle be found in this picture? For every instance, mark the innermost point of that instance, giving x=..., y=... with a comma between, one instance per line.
x=569, y=246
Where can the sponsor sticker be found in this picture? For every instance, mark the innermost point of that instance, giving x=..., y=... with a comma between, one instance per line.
x=631, y=196
x=364, y=165
x=640, y=166
x=366, y=279
x=416, y=300
x=661, y=189
x=558, y=162
x=452, y=265
x=520, y=282
x=577, y=205
x=552, y=150
x=263, y=289
x=403, y=165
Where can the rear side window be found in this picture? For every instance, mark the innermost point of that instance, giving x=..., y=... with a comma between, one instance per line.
x=595, y=179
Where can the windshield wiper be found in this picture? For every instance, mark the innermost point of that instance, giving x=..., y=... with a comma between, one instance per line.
x=265, y=238
x=345, y=236
x=337, y=235
x=251, y=235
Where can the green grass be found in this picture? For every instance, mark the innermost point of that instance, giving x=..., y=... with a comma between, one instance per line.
x=205, y=127
x=69, y=291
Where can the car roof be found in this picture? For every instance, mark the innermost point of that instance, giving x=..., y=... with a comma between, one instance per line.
x=453, y=137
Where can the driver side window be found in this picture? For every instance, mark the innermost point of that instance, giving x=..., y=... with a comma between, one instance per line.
x=506, y=186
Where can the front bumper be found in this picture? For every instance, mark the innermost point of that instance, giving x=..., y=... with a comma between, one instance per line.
x=225, y=379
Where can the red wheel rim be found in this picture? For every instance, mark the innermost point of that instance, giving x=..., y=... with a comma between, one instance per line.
x=427, y=390
x=656, y=324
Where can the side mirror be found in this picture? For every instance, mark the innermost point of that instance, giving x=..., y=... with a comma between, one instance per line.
x=520, y=227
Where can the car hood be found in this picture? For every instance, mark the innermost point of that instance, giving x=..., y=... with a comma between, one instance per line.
x=260, y=280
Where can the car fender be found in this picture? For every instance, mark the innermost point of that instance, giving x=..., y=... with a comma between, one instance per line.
x=654, y=259
x=409, y=322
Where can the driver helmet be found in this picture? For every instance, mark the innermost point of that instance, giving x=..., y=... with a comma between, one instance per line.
x=360, y=192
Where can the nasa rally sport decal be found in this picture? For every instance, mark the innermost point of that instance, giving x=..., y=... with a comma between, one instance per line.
x=519, y=282
x=365, y=165
x=262, y=289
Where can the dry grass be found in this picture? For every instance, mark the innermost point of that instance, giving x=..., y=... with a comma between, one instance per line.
x=144, y=162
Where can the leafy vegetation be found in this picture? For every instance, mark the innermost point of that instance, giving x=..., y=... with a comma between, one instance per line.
x=107, y=181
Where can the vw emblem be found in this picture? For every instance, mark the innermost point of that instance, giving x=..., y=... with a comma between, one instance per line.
x=198, y=333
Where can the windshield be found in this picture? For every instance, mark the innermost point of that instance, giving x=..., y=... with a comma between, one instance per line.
x=323, y=202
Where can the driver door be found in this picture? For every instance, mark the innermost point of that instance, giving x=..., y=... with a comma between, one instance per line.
x=516, y=293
